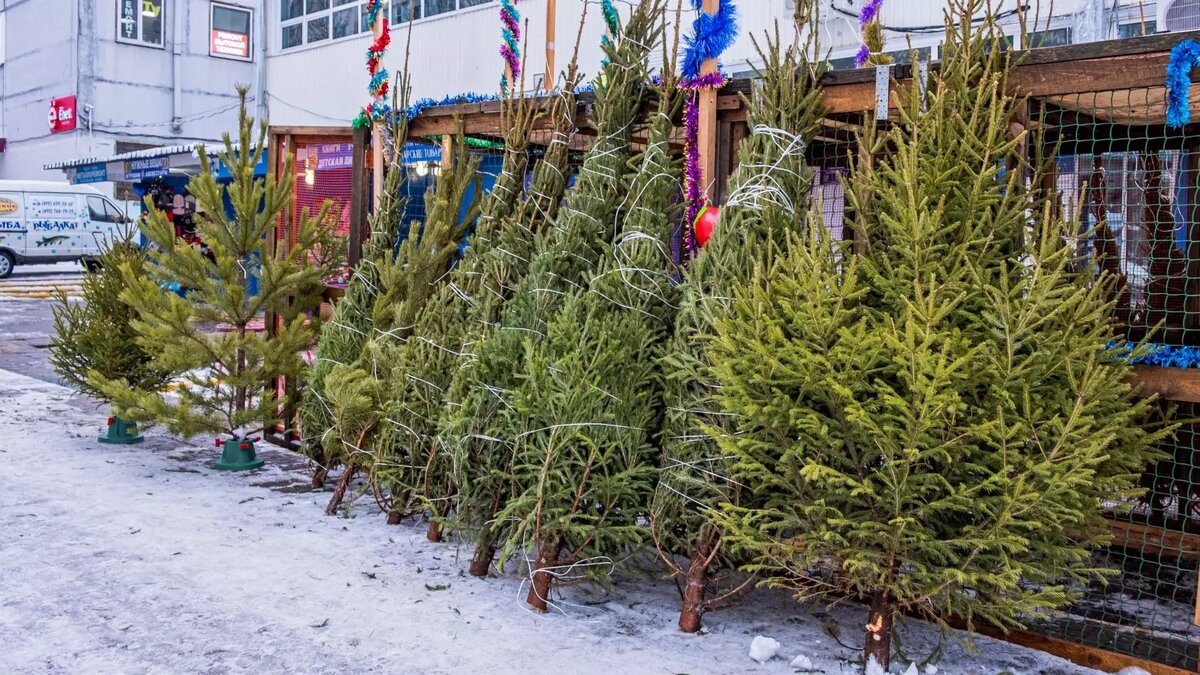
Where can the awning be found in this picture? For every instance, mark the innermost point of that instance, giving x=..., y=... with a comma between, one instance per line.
x=139, y=165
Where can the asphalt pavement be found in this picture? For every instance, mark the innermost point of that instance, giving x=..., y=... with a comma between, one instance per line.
x=26, y=316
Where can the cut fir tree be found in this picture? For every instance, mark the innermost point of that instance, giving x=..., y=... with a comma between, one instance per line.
x=931, y=425
x=206, y=336
x=566, y=254
x=342, y=338
x=406, y=283
x=473, y=298
x=769, y=194
x=95, y=340
x=590, y=401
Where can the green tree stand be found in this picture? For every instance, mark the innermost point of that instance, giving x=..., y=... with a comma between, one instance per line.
x=238, y=455
x=121, y=432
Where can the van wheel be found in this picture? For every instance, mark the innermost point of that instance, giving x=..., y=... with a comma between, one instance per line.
x=92, y=265
x=7, y=262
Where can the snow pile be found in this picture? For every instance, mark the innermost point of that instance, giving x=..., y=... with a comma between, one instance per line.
x=802, y=663
x=763, y=649
x=1132, y=671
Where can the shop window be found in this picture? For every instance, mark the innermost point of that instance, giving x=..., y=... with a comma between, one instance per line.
x=311, y=21
x=1057, y=37
x=1128, y=30
x=140, y=22
x=463, y=4
x=291, y=9
x=314, y=6
x=230, y=35
x=293, y=36
x=403, y=10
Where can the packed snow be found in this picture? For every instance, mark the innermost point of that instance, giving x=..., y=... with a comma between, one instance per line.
x=144, y=559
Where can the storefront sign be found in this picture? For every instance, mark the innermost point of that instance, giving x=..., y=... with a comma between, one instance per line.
x=225, y=43
x=62, y=114
x=415, y=153
x=141, y=169
x=334, y=156
x=90, y=173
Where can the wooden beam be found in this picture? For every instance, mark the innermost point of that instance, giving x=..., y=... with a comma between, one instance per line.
x=1172, y=384
x=1154, y=539
x=358, y=198
x=551, y=30
x=707, y=138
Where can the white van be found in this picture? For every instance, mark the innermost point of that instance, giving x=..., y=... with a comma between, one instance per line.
x=44, y=222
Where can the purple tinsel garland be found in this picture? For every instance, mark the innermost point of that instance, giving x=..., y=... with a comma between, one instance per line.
x=869, y=13
x=693, y=177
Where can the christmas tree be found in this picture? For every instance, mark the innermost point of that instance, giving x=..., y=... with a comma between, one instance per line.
x=565, y=255
x=95, y=340
x=472, y=299
x=589, y=404
x=206, y=335
x=406, y=283
x=343, y=337
x=769, y=195
x=931, y=425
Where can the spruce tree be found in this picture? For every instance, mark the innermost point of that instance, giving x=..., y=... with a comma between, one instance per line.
x=342, y=338
x=931, y=425
x=206, y=336
x=406, y=283
x=769, y=196
x=471, y=301
x=589, y=404
x=566, y=253
x=94, y=338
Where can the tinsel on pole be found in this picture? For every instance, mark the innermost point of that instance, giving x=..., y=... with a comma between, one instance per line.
x=711, y=35
x=511, y=49
x=871, y=51
x=378, y=109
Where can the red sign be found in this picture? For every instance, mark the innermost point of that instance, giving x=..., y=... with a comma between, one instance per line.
x=62, y=114
x=225, y=43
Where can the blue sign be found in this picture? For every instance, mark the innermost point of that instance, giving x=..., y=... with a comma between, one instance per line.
x=90, y=173
x=415, y=153
x=141, y=169
x=222, y=173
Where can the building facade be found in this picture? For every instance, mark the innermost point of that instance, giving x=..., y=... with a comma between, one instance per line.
x=125, y=75
x=316, y=74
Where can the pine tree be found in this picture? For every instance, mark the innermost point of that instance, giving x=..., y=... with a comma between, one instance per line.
x=931, y=425
x=343, y=336
x=589, y=405
x=769, y=194
x=94, y=339
x=406, y=283
x=206, y=337
x=565, y=255
x=450, y=322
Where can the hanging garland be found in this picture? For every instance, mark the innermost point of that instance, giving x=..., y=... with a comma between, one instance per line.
x=1184, y=57
x=511, y=49
x=711, y=36
x=378, y=109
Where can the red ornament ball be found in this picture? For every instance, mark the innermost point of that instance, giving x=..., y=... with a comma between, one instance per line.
x=706, y=224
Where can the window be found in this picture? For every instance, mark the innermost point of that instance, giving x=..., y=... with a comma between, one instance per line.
x=1128, y=30
x=100, y=210
x=140, y=22
x=1049, y=38
x=306, y=22
x=230, y=35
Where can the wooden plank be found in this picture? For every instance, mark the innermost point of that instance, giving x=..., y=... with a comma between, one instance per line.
x=312, y=131
x=551, y=30
x=1153, y=539
x=1172, y=384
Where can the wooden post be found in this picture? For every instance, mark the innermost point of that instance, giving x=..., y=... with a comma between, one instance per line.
x=358, y=198
x=551, y=26
x=447, y=152
x=707, y=140
x=377, y=132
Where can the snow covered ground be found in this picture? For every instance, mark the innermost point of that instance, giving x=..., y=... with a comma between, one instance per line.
x=143, y=559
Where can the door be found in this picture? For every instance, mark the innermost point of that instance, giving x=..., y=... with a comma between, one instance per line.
x=103, y=220
x=56, y=225
x=12, y=223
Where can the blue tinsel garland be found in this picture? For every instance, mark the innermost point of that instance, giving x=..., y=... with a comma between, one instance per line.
x=1184, y=57
x=468, y=97
x=711, y=36
x=1163, y=356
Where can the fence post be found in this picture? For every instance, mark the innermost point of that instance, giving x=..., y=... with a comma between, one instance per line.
x=707, y=137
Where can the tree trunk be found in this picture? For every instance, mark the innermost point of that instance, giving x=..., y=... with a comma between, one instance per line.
x=879, y=629
x=319, y=476
x=539, y=591
x=693, y=593
x=394, y=517
x=485, y=550
x=339, y=491
x=434, y=533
